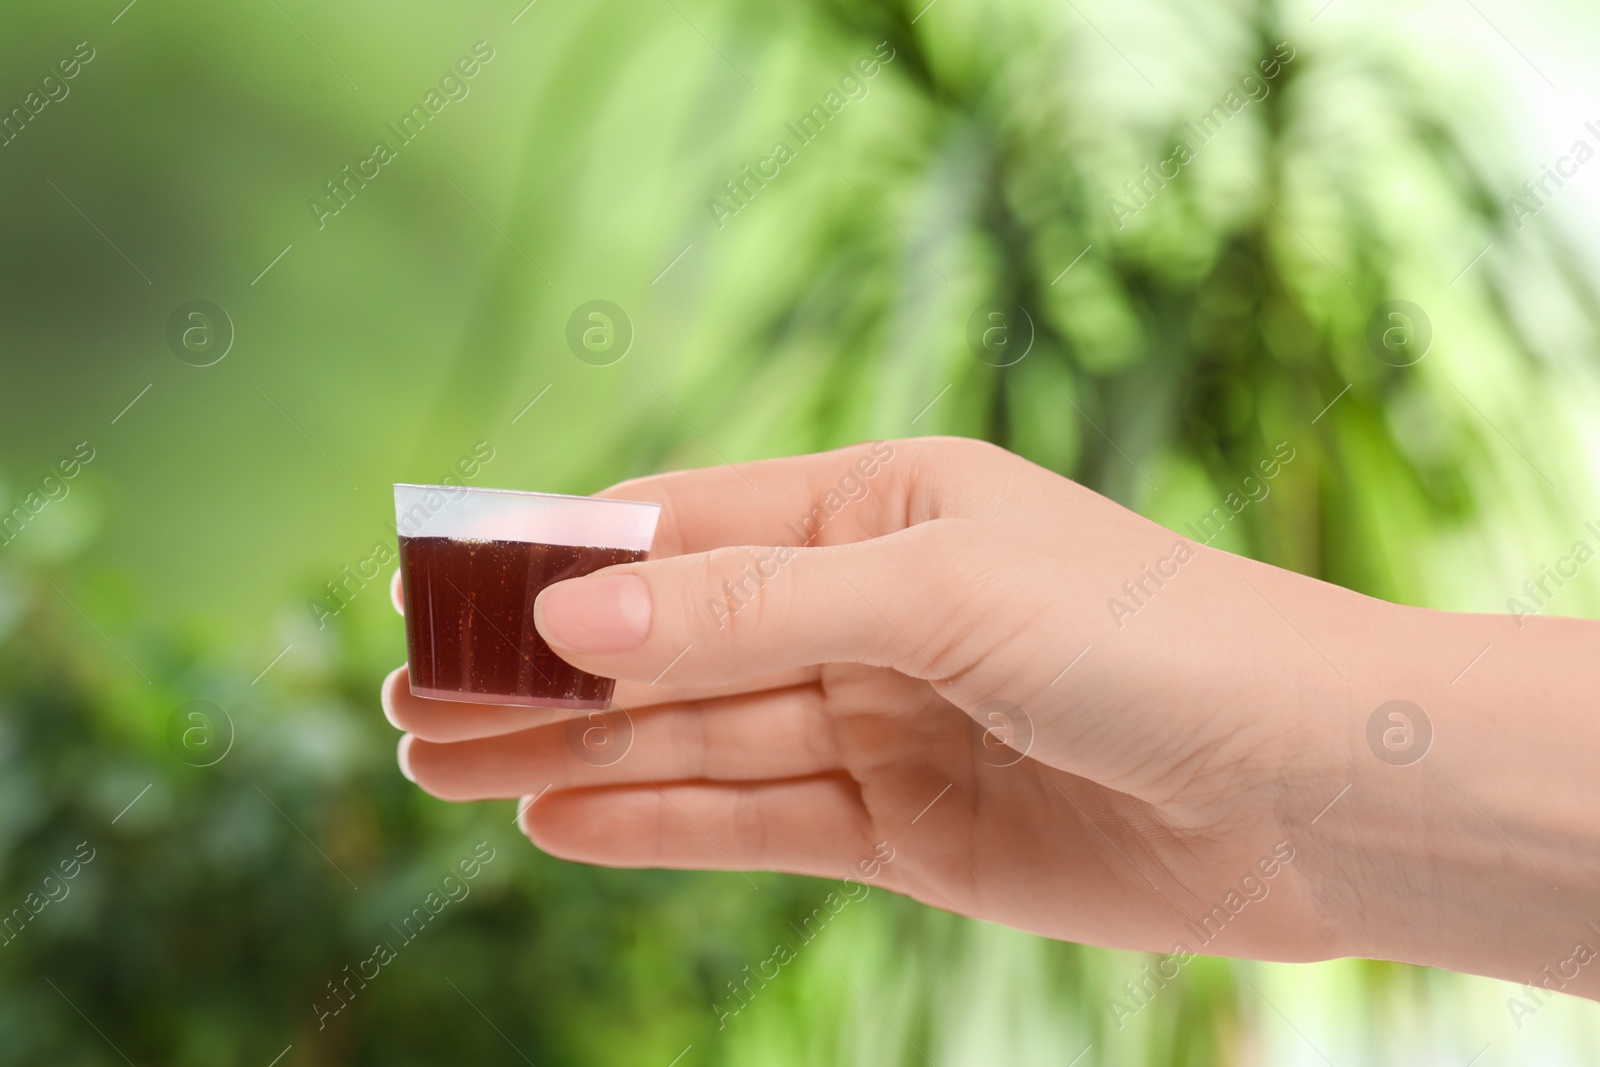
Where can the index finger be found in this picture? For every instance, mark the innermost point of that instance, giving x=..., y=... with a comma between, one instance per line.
x=824, y=498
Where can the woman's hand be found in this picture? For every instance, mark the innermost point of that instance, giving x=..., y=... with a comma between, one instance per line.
x=936, y=667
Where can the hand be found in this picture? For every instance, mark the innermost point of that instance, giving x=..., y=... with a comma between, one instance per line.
x=844, y=708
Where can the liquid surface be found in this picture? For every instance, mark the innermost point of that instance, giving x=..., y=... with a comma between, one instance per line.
x=469, y=620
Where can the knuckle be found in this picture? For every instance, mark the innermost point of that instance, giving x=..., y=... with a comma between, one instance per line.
x=740, y=586
x=952, y=446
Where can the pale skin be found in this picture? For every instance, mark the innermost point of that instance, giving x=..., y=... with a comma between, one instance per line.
x=841, y=699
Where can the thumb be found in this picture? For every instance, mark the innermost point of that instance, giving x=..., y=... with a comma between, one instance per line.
x=732, y=613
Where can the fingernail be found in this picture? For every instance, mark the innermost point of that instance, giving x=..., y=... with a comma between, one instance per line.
x=604, y=613
x=403, y=757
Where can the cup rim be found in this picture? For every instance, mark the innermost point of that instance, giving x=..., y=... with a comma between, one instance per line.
x=529, y=493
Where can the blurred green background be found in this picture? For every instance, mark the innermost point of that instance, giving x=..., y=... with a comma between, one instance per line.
x=1169, y=344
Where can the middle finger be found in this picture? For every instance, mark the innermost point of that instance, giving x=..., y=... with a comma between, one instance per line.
x=779, y=734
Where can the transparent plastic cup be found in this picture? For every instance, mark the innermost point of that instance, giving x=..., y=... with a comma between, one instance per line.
x=473, y=560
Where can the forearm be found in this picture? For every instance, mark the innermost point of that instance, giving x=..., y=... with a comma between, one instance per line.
x=1477, y=850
